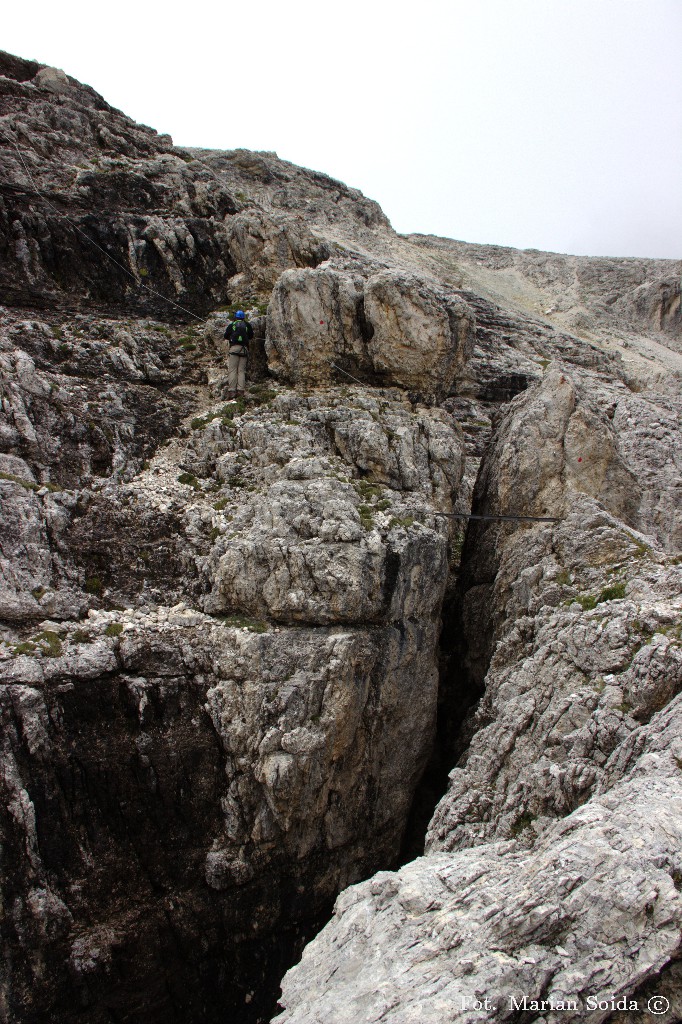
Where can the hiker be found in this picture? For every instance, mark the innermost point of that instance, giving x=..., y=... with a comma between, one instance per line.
x=238, y=334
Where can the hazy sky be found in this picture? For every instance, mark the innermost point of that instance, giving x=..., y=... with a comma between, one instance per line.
x=551, y=124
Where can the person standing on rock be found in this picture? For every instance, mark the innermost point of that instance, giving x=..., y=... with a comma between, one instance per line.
x=238, y=334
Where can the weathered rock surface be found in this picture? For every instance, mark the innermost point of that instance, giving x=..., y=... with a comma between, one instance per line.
x=389, y=328
x=584, y=918
x=317, y=546
x=589, y=296
x=83, y=401
x=219, y=623
x=568, y=623
x=173, y=781
x=540, y=859
x=263, y=246
x=268, y=751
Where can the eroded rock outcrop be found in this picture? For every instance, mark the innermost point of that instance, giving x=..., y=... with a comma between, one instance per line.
x=573, y=926
x=555, y=846
x=219, y=622
x=170, y=779
x=263, y=247
x=269, y=750
x=593, y=297
x=388, y=328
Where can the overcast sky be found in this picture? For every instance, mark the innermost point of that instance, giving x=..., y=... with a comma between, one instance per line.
x=547, y=124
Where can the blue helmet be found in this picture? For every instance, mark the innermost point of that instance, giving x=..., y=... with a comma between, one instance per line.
x=239, y=315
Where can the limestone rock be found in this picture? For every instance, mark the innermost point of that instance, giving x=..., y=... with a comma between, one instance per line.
x=572, y=634
x=579, y=657
x=551, y=445
x=316, y=546
x=421, y=340
x=389, y=328
x=553, y=619
x=273, y=746
x=590, y=296
x=52, y=79
x=262, y=247
x=226, y=628
x=246, y=756
x=313, y=318
x=587, y=916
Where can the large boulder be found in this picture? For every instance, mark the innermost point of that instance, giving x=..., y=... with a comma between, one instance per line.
x=53, y=80
x=389, y=328
x=421, y=337
x=313, y=321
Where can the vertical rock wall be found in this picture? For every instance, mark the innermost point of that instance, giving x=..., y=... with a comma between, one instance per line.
x=219, y=667
x=551, y=879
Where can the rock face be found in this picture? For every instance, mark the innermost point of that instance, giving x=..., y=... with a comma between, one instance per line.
x=263, y=246
x=233, y=635
x=389, y=328
x=570, y=928
x=269, y=750
x=595, y=296
x=246, y=759
x=554, y=621
x=556, y=846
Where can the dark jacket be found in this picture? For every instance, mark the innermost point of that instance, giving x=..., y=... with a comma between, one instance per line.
x=239, y=332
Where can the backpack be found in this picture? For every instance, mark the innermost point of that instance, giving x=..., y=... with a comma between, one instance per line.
x=239, y=333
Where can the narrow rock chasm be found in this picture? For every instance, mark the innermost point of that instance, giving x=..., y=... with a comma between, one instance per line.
x=459, y=691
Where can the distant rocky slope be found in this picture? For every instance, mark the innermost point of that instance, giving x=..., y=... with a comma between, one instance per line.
x=249, y=655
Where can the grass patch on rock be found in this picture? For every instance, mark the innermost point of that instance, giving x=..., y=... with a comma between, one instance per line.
x=189, y=480
x=48, y=643
x=366, y=517
x=26, y=647
x=404, y=521
x=244, y=622
x=93, y=585
x=79, y=636
x=27, y=484
x=226, y=415
x=367, y=490
x=261, y=395
x=614, y=592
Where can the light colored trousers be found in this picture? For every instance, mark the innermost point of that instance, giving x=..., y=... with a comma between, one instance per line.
x=236, y=367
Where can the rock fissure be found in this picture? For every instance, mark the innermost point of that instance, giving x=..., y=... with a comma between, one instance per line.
x=247, y=661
